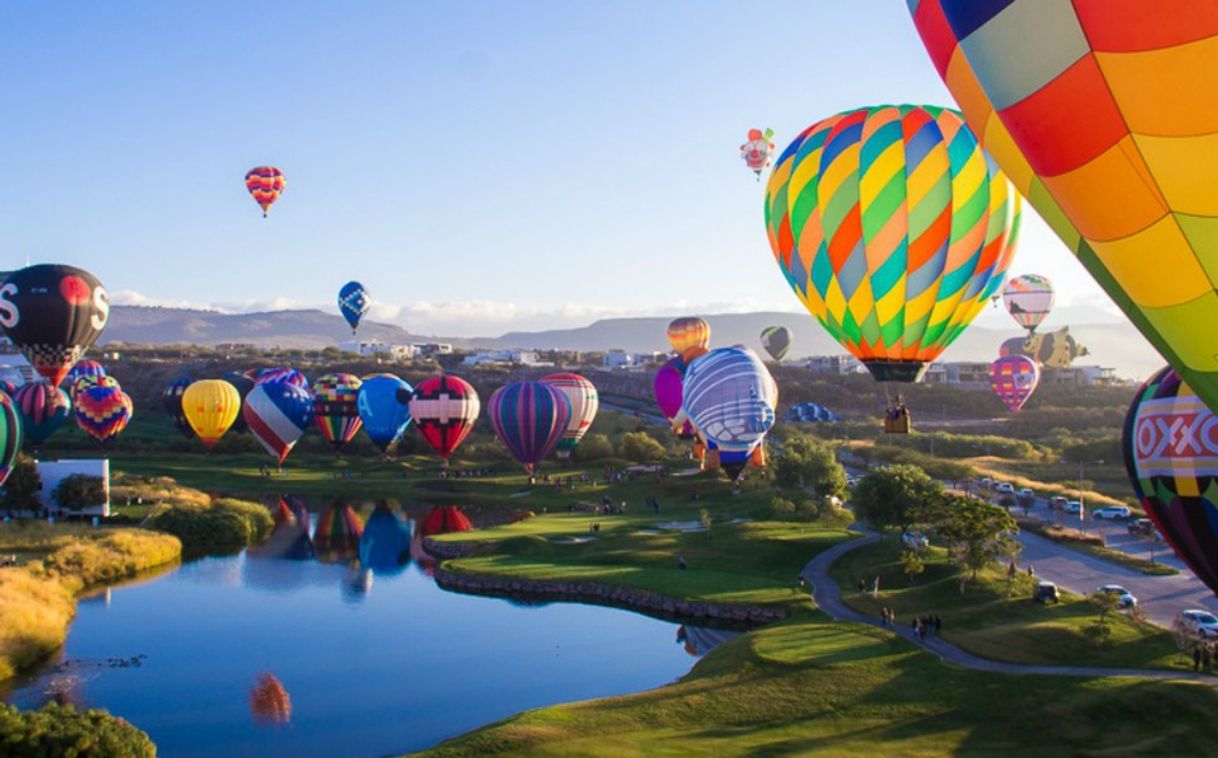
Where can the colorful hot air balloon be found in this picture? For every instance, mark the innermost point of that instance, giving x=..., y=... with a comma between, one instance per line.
x=777, y=341
x=1028, y=299
x=1106, y=127
x=10, y=437
x=265, y=184
x=444, y=409
x=668, y=393
x=210, y=407
x=893, y=229
x=1054, y=349
x=9, y=387
x=277, y=414
x=383, y=402
x=53, y=314
x=353, y=303
x=87, y=367
x=171, y=396
x=336, y=408
x=103, y=412
x=269, y=701
x=289, y=375
x=338, y=532
x=43, y=409
x=384, y=547
x=87, y=381
x=243, y=384
x=689, y=336
x=582, y=396
x=1171, y=454
x=1014, y=379
x=757, y=152
x=445, y=519
x=730, y=398
x=529, y=418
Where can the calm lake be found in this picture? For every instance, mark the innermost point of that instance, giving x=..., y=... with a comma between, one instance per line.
x=371, y=662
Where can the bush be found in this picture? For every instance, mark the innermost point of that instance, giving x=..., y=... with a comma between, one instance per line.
x=80, y=491
x=23, y=487
x=224, y=526
x=641, y=447
x=594, y=447
x=782, y=509
x=61, y=730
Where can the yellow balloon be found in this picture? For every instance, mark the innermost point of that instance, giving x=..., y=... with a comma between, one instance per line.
x=210, y=407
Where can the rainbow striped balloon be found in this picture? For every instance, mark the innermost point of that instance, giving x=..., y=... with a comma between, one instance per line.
x=894, y=228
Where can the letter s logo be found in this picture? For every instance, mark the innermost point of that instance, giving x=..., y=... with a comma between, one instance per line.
x=101, y=306
x=9, y=315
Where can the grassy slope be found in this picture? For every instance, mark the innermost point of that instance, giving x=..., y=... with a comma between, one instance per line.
x=992, y=623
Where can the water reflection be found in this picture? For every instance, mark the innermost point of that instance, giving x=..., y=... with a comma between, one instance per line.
x=700, y=640
x=269, y=701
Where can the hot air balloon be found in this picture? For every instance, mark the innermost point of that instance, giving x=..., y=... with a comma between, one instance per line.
x=1014, y=379
x=277, y=414
x=689, y=336
x=757, y=152
x=338, y=532
x=243, y=384
x=87, y=367
x=336, y=408
x=893, y=229
x=730, y=398
x=171, y=396
x=9, y=388
x=288, y=375
x=444, y=409
x=529, y=418
x=43, y=409
x=777, y=341
x=103, y=412
x=299, y=509
x=445, y=519
x=1170, y=441
x=1028, y=299
x=269, y=701
x=383, y=403
x=210, y=407
x=1054, y=349
x=384, y=547
x=353, y=303
x=53, y=313
x=10, y=436
x=668, y=393
x=265, y=184
x=1105, y=126
x=581, y=395
x=87, y=381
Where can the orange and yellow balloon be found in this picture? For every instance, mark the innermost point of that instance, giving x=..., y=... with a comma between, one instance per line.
x=265, y=185
x=210, y=407
x=689, y=337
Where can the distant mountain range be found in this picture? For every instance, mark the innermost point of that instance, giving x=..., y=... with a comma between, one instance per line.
x=1112, y=344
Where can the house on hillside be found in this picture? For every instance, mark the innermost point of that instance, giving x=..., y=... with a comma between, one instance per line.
x=839, y=365
x=625, y=360
x=970, y=374
x=1080, y=376
x=514, y=357
x=378, y=349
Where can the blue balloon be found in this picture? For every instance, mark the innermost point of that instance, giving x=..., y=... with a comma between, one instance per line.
x=384, y=546
x=384, y=408
x=353, y=303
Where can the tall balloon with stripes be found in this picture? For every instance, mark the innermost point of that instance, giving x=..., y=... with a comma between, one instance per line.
x=43, y=409
x=277, y=414
x=336, y=408
x=529, y=418
x=584, y=400
x=10, y=436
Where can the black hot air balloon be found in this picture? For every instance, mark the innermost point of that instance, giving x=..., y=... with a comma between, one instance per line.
x=53, y=313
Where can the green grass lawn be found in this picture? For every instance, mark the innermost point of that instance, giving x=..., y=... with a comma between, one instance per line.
x=991, y=622
x=808, y=686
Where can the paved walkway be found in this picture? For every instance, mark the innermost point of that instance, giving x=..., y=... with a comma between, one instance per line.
x=828, y=598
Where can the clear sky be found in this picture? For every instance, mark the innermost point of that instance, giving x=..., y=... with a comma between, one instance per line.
x=480, y=166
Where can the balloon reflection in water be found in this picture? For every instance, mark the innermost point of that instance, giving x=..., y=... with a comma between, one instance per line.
x=384, y=547
x=269, y=701
x=339, y=528
x=700, y=640
x=444, y=519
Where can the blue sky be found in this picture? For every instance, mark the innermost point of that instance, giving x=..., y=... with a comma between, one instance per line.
x=481, y=166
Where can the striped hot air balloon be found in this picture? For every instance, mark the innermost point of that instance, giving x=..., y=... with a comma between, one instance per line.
x=445, y=519
x=86, y=367
x=339, y=528
x=582, y=396
x=277, y=414
x=529, y=418
x=171, y=396
x=336, y=408
x=730, y=398
x=1014, y=379
x=444, y=409
x=103, y=412
x=668, y=393
x=894, y=229
x=265, y=184
x=10, y=436
x=43, y=409
x=90, y=380
x=689, y=336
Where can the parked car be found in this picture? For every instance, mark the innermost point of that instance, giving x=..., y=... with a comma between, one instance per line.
x=986, y=482
x=1046, y=592
x=1201, y=623
x=1142, y=526
x=1073, y=507
x=1056, y=502
x=1004, y=488
x=1112, y=513
x=1126, y=598
x=851, y=480
x=1026, y=492
x=915, y=540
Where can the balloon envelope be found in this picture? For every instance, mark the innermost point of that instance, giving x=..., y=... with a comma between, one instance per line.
x=689, y=336
x=1014, y=379
x=265, y=184
x=278, y=413
x=1054, y=349
x=384, y=546
x=338, y=533
x=445, y=519
x=444, y=409
x=668, y=393
x=730, y=398
x=529, y=418
x=86, y=367
x=10, y=437
x=289, y=375
x=383, y=406
x=103, y=412
x=776, y=340
x=210, y=407
x=582, y=396
x=894, y=229
x=336, y=408
x=353, y=303
x=1105, y=127
x=43, y=409
x=53, y=313
x=171, y=397
x=1028, y=298
x=1170, y=441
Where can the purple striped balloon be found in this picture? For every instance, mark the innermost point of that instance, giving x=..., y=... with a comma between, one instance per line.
x=529, y=417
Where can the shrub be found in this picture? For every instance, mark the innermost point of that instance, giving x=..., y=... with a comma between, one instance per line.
x=61, y=730
x=641, y=447
x=782, y=509
x=224, y=526
x=80, y=491
x=23, y=487
x=594, y=447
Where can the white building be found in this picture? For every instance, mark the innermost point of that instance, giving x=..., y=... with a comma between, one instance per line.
x=434, y=348
x=518, y=357
x=623, y=359
x=972, y=374
x=13, y=365
x=1081, y=376
x=376, y=348
x=841, y=365
x=53, y=472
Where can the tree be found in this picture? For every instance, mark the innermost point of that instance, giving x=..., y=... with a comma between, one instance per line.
x=1106, y=604
x=911, y=564
x=641, y=447
x=594, y=447
x=976, y=532
x=896, y=496
x=80, y=491
x=23, y=488
x=806, y=462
